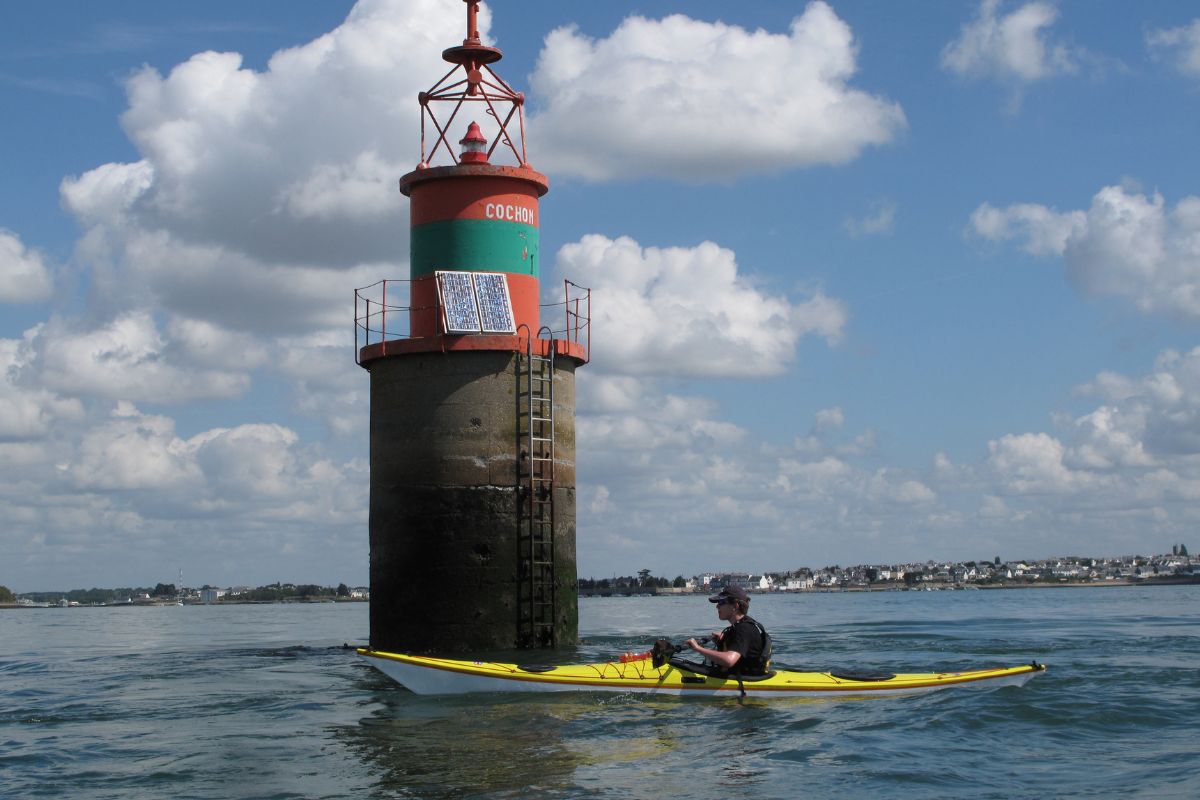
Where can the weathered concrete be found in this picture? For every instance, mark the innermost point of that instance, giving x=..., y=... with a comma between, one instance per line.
x=446, y=506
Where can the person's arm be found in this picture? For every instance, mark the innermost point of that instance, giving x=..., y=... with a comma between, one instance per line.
x=724, y=658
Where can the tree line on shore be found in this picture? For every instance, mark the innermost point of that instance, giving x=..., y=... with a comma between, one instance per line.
x=270, y=593
x=643, y=580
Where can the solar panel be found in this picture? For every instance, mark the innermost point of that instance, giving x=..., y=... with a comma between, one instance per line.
x=457, y=294
x=495, y=306
x=475, y=302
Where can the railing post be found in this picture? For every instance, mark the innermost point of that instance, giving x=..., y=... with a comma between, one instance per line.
x=383, y=321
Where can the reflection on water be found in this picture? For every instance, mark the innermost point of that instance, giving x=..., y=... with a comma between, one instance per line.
x=433, y=748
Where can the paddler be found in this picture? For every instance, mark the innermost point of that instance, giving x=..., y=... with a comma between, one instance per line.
x=744, y=648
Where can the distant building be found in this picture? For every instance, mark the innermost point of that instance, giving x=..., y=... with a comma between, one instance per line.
x=208, y=596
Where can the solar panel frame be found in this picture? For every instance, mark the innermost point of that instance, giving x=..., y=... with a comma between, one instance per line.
x=460, y=308
x=495, y=303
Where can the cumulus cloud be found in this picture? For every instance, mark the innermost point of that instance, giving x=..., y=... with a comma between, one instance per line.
x=1139, y=449
x=24, y=277
x=1127, y=244
x=296, y=163
x=1127, y=466
x=126, y=359
x=134, y=452
x=700, y=101
x=688, y=311
x=1180, y=46
x=28, y=411
x=687, y=479
x=1045, y=231
x=1009, y=47
x=1033, y=463
x=128, y=494
x=259, y=196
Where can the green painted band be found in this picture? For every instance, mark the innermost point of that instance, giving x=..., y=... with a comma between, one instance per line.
x=474, y=245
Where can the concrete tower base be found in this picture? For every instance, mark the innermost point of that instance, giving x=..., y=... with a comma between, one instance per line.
x=446, y=504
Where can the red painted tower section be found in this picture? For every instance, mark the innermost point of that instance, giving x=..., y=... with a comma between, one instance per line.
x=472, y=392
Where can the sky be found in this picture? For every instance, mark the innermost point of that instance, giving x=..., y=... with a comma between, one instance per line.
x=871, y=282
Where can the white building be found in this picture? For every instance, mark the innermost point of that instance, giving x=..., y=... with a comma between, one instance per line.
x=211, y=595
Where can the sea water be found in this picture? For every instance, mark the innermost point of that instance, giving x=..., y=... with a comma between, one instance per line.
x=264, y=702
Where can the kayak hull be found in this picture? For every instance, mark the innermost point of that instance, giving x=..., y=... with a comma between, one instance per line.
x=436, y=676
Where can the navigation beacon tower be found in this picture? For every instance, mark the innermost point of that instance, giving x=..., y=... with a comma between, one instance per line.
x=472, y=520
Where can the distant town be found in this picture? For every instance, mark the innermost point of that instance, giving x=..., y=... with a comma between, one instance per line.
x=1179, y=567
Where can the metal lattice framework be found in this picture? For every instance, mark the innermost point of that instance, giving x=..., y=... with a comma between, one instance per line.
x=472, y=80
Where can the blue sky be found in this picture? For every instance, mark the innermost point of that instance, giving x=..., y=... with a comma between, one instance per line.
x=873, y=282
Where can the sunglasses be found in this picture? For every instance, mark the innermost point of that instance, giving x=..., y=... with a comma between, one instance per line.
x=726, y=601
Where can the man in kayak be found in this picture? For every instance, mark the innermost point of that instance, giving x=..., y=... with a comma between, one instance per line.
x=744, y=648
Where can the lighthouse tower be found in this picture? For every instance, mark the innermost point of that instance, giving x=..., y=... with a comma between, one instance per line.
x=472, y=520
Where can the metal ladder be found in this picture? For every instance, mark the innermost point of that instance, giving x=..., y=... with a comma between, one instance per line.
x=536, y=594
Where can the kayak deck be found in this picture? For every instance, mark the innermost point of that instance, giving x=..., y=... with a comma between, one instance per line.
x=425, y=675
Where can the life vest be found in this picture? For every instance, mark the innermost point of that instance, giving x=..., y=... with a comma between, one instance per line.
x=751, y=664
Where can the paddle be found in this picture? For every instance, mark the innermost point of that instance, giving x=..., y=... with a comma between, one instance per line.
x=661, y=653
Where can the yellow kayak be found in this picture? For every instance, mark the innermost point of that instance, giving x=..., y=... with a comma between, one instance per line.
x=424, y=675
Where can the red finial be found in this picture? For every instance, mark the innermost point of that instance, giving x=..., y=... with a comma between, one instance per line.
x=474, y=146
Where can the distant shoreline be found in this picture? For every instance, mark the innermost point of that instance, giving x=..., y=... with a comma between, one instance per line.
x=889, y=587
x=339, y=601
x=651, y=591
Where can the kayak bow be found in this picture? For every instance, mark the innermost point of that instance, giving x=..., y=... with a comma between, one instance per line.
x=424, y=675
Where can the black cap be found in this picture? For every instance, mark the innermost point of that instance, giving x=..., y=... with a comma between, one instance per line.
x=730, y=593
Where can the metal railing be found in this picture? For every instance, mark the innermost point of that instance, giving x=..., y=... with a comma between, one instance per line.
x=379, y=320
x=373, y=314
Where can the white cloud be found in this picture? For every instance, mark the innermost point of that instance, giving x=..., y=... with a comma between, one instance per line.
x=126, y=359
x=28, y=411
x=1032, y=463
x=130, y=496
x=993, y=507
x=1179, y=45
x=688, y=311
x=1127, y=244
x=206, y=344
x=133, y=451
x=256, y=192
x=703, y=101
x=1012, y=47
x=24, y=277
x=829, y=419
x=704, y=490
x=1102, y=481
x=107, y=193
x=1139, y=452
x=881, y=221
x=1044, y=230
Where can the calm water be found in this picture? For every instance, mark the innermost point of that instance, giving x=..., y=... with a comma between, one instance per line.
x=262, y=702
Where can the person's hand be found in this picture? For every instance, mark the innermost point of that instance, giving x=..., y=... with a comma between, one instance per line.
x=717, y=636
x=693, y=644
